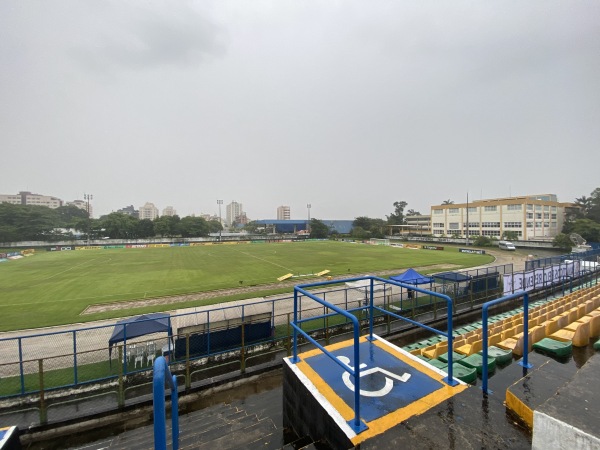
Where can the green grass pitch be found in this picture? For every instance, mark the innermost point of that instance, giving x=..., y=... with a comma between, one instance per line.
x=52, y=288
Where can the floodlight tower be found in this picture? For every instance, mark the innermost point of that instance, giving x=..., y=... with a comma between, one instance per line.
x=220, y=202
x=308, y=224
x=88, y=198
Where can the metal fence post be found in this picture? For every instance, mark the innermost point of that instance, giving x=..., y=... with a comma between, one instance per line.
x=75, y=356
x=242, y=352
x=188, y=381
x=43, y=408
x=288, y=342
x=121, y=393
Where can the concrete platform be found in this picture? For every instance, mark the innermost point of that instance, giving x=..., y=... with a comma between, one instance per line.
x=395, y=386
x=571, y=416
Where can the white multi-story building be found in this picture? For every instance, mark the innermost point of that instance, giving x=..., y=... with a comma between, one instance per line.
x=27, y=198
x=148, y=211
x=531, y=217
x=283, y=213
x=169, y=211
x=232, y=211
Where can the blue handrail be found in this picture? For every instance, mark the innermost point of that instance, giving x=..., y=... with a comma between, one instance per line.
x=353, y=370
x=162, y=375
x=525, y=363
x=449, y=332
x=355, y=423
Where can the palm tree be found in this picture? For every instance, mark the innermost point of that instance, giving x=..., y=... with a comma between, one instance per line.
x=448, y=202
x=585, y=203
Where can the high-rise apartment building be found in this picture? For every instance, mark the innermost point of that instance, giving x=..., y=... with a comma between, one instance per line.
x=148, y=211
x=283, y=213
x=169, y=211
x=232, y=211
x=27, y=198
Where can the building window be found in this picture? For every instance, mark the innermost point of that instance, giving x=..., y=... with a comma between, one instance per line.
x=546, y=207
x=529, y=207
x=438, y=211
x=513, y=207
x=489, y=208
x=546, y=215
x=453, y=226
x=529, y=224
x=538, y=224
x=530, y=215
x=553, y=224
x=490, y=233
x=554, y=216
x=452, y=210
x=473, y=224
x=538, y=215
x=490, y=224
x=538, y=207
x=553, y=209
x=472, y=209
x=512, y=224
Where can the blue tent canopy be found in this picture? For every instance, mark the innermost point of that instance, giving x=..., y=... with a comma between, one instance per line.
x=140, y=326
x=411, y=276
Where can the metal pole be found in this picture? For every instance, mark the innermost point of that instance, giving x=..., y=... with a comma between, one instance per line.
x=220, y=202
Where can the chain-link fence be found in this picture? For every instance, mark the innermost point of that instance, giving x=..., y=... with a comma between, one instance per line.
x=44, y=369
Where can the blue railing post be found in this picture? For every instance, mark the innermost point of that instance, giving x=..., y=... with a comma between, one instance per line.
x=162, y=374
x=75, y=356
x=485, y=307
x=370, y=311
x=295, y=332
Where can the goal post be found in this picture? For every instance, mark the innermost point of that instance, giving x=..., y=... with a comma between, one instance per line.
x=374, y=241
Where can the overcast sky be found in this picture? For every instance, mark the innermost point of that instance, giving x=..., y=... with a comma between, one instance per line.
x=346, y=105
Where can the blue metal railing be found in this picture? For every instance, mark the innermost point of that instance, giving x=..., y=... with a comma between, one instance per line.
x=353, y=370
x=449, y=332
x=355, y=423
x=162, y=374
x=524, y=362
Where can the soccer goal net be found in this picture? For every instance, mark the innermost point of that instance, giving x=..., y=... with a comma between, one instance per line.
x=373, y=241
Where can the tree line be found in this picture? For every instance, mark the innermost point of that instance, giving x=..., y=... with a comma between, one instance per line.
x=41, y=223
x=34, y=223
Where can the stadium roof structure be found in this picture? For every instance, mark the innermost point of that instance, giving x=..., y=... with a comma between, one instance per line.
x=411, y=276
x=293, y=226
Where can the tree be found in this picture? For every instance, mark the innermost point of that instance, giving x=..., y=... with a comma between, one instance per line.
x=318, y=230
x=397, y=217
x=448, y=202
x=214, y=226
x=120, y=226
x=68, y=215
x=26, y=222
x=563, y=242
x=510, y=235
x=412, y=212
x=145, y=229
x=167, y=226
x=587, y=228
x=585, y=203
x=368, y=228
x=193, y=227
x=482, y=241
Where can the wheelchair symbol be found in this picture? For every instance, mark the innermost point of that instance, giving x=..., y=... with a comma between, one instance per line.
x=389, y=383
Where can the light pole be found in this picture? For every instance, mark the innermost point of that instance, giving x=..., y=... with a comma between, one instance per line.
x=88, y=198
x=308, y=224
x=220, y=202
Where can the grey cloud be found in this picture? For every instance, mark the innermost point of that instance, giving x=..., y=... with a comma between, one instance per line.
x=154, y=40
